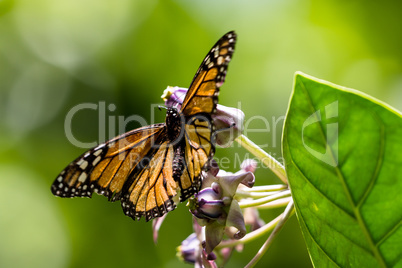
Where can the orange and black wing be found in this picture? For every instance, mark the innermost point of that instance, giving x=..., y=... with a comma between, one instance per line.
x=202, y=95
x=134, y=168
x=198, y=151
x=198, y=105
x=151, y=190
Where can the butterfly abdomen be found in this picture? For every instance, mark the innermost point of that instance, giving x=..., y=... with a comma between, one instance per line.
x=180, y=173
x=178, y=163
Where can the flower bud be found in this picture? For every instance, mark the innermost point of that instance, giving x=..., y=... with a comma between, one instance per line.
x=228, y=123
x=249, y=165
x=174, y=96
x=215, y=207
x=207, y=203
x=187, y=251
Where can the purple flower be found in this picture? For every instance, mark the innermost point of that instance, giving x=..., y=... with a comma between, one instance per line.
x=174, y=96
x=210, y=204
x=228, y=121
x=215, y=207
x=192, y=251
x=189, y=248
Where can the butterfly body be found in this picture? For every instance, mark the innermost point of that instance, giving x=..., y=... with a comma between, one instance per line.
x=174, y=124
x=150, y=169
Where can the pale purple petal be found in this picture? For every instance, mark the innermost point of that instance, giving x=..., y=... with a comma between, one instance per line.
x=229, y=184
x=235, y=219
x=252, y=218
x=248, y=180
x=156, y=225
x=213, y=168
x=249, y=165
x=228, y=122
x=213, y=236
x=174, y=96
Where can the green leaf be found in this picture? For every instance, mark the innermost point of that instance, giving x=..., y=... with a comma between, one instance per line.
x=343, y=158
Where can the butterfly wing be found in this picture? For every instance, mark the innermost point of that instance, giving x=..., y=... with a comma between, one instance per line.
x=135, y=168
x=198, y=105
x=151, y=191
x=198, y=149
x=202, y=95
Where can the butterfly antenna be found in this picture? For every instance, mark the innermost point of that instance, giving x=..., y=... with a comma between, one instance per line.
x=160, y=107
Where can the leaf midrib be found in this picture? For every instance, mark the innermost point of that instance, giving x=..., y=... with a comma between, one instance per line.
x=355, y=208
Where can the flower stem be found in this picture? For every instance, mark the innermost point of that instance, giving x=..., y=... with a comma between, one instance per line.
x=266, y=188
x=252, y=203
x=276, y=203
x=244, y=194
x=265, y=158
x=252, y=235
x=283, y=219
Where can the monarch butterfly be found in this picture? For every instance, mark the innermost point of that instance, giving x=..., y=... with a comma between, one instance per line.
x=151, y=168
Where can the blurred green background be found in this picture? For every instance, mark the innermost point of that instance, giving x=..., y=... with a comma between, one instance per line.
x=56, y=54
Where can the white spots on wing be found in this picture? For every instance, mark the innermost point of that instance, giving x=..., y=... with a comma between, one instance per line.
x=84, y=187
x=83, y=177
x=60, y=179
x=98, y=152
x=96, y=161
x=83, y=165
x=220, y=60
x=210, y=65
x=216, y=53
x=110, y=144
x=61, y=185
